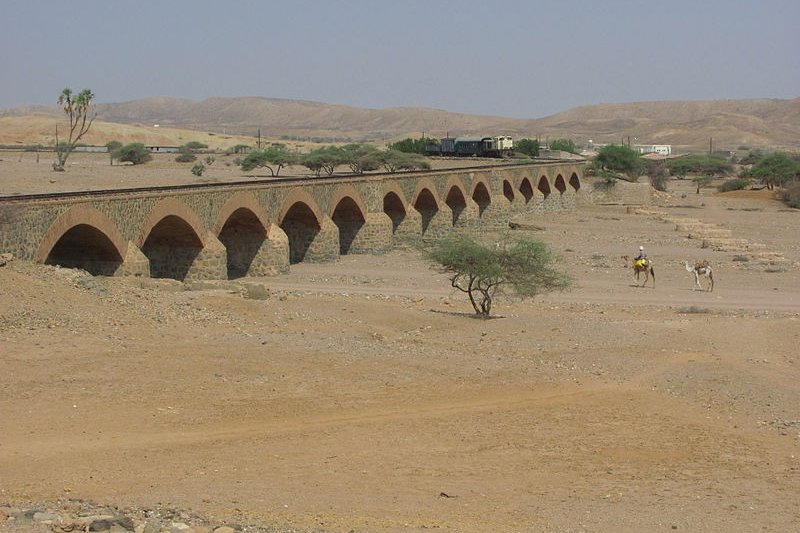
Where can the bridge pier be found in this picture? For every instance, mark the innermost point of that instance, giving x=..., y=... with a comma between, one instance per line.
x=135, y=263
x=211, y=262
x=374, y=237
x=409, y=225
x=324, y=245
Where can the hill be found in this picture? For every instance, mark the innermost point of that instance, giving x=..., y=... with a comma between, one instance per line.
x=766, y=123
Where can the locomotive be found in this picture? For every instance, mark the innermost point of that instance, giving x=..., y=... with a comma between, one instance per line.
x=499, y=146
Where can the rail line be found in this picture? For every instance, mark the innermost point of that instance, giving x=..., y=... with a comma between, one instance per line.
x=98, y=193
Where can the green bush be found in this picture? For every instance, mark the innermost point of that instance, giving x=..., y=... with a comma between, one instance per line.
x=185, y=157
x=135, y=153
x=198, y=168
x=621, y=159
x=735, y=184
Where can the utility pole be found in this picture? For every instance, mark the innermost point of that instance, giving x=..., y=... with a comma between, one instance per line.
x=259, y=138
x=710, y=145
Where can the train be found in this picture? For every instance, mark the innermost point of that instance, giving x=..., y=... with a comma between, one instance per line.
x=498, y=146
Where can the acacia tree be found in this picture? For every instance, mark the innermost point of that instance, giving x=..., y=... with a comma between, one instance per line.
x=361, y=157
x=275, y=157
x=486, y=271
x=326, y=158
x=77, y=108
x=776, y=169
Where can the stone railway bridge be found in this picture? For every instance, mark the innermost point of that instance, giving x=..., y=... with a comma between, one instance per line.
x=226, y=231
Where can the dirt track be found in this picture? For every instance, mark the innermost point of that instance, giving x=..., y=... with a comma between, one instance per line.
x=361, y=396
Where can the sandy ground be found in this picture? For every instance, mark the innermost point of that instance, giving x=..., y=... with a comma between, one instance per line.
x=362, y=396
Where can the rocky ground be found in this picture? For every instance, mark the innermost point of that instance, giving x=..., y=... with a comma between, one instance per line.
x=362, y=396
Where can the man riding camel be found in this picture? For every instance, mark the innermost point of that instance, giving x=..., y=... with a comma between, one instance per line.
x=641, y=259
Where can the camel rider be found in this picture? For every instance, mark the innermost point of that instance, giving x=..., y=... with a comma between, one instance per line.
x=641, y=259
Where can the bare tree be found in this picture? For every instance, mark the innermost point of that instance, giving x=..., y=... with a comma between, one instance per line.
x=77, y=108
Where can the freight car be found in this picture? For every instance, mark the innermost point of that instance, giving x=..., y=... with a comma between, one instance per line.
x=499, y=146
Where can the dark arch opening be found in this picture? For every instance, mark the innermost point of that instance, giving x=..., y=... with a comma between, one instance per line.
x=508, y=191
x=526, y=189
x=86, y=247
x=349, y=218
x=243, y=236
x=426, y=205
x=481, y=197
x=172, y=247
x=394, y=209
x=301, y=227
x=456, y=202
x=574, y=181
x=560, y=185
x=544, y=186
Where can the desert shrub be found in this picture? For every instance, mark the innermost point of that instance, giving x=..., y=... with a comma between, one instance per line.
x=195, y=145
x=791, y=195
x=210, y=160
x=135, y=153
x=185, y=156
x=735, y=184
x=413, y=146
x=198, y=169
x=528, y=147
x=618, y=158
x=565, y=145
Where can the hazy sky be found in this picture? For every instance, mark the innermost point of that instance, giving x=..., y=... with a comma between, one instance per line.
x=515, y=58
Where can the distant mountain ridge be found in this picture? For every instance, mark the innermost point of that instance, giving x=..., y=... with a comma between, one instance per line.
x=729, y=124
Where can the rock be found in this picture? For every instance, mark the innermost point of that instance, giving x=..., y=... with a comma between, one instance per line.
x=224, y=529
x=152, y=526
x=256, y=291
x=46, y=517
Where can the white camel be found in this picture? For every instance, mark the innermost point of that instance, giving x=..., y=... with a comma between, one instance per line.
x=702, y=268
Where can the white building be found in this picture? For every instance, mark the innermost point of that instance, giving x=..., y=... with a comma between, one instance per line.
x=660, y=149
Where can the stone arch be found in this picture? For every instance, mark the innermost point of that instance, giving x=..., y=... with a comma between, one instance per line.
x=242, y=227
x=427, y=205
x=544, y=186
x=172, y=237
x=301, y=220
x=395, y=209
x=83, y=237
x=574, y=181
x=508, y=191
x=559, y=184
x=456, y=201
x=239, y=201
x=481, y=196
x=340, y=193
x=175, y=208
x=349, y=217
x=526, y=189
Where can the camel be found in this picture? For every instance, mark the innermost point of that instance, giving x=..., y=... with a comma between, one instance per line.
x=701, y=268
x=638, y=268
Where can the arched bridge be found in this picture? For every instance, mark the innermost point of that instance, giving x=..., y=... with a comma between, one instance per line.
x=261, y=228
